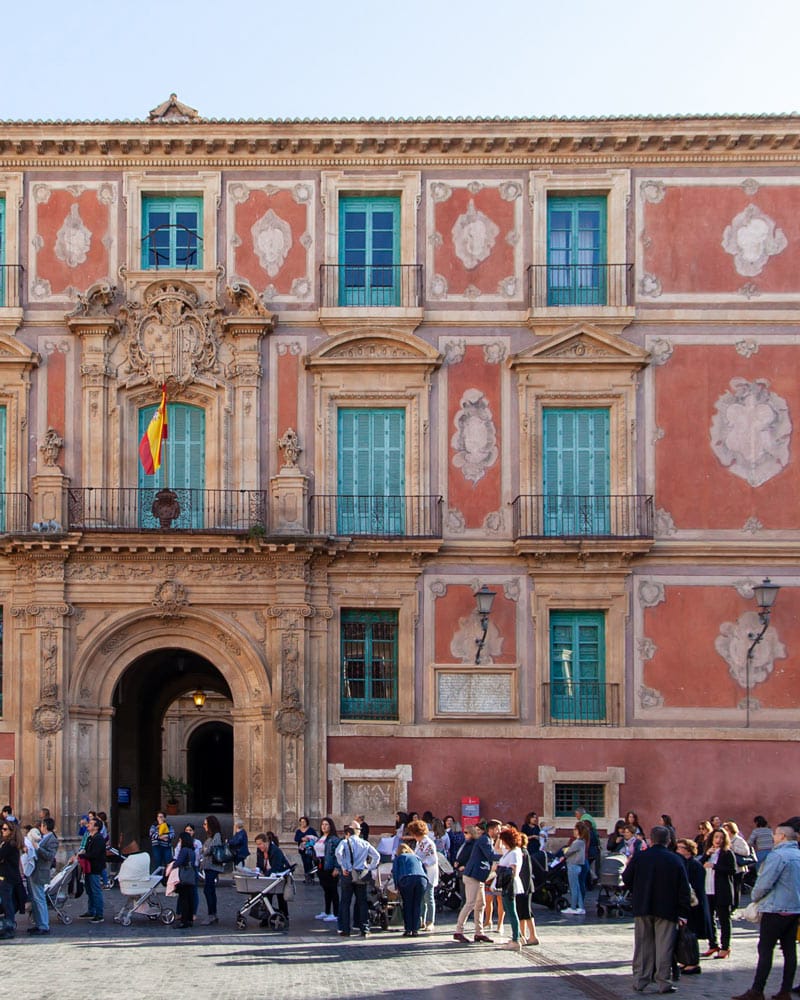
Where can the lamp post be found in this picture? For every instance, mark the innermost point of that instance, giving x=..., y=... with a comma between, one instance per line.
x=765, y=594
x=484, y=598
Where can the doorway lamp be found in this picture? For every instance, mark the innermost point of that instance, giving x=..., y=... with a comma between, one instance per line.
x=484, y=598
x=765, y=594
x=199, y=698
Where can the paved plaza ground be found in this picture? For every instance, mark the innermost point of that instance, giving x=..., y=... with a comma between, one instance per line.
x=579, y=957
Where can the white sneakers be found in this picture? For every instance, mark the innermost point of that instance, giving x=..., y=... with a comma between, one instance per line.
x=569, y=910
x=329, y=917
x=320, y=916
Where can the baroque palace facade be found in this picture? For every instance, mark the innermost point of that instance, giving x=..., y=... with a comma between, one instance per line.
x=405, y=361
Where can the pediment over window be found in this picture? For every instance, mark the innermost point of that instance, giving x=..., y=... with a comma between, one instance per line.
x=582, y=345
x=14, y=352
x=375, y=348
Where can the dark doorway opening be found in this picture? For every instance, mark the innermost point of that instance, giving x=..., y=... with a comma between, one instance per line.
x=210, y=766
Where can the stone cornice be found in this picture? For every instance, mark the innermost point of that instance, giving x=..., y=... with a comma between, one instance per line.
x=484, y=142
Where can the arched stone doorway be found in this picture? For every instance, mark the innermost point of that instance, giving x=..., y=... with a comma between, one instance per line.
x=135, y=668
x=209, y=768
x=142, y=698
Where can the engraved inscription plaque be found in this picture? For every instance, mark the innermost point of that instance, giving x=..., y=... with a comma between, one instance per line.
x=474, y=694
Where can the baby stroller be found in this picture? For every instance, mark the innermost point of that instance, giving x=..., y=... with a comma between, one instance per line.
x=258, y=888
x=383, y=900
x=550, y=882
x=143, y=892
x=57, y=891
x=114, y=861
x=448, y=892
x=613, y=896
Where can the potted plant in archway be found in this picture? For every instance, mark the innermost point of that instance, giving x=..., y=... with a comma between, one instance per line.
x=174, y=787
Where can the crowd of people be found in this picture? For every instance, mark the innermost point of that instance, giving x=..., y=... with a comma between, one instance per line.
x=701, y=877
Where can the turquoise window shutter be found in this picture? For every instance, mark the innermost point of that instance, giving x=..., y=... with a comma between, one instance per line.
x=577, y=666
x=576, y=251
x=369, y=664
x=371, y=471
x=3, y=449
x=576, y=471
x=172, y=232
x=182, y=467
x=369, y=251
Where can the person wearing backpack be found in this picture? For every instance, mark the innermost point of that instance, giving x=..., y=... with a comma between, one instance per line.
x=41, y=874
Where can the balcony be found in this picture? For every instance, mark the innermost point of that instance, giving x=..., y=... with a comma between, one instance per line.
x=569, y=517
x=136, y=510
x=370, y=295
x=10, y=282
x=15, y=513
x=580, y=703
x=376, y=516
x=598, y=294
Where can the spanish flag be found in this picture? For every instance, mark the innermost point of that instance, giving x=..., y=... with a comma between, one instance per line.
x=150, y=445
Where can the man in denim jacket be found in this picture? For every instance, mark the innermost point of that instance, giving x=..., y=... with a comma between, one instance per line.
x=777, y=891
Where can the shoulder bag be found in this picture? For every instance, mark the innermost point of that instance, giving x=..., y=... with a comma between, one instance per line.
x=187, y=875
x=221, y=854
x=504, y=878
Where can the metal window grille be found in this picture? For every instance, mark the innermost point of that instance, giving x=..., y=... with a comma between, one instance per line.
x=570, y=795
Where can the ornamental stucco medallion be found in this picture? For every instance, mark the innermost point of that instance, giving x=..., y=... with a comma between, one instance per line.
x=73, y=239
x=475, y=438
x=463, y=644
x=474, y=235
x=751, y=430
x=272, y=241
x=733, y=642
x=751, y=239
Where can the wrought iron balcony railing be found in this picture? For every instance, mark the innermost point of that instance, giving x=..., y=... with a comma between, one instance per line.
x=10, y=281
x=580, y=285
x=564, y=516
x=580, y=703
x=132, y=509
x=377, y=516
x=15, y=513
x=371, y=285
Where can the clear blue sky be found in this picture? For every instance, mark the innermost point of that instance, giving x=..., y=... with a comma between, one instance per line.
x=415, y=58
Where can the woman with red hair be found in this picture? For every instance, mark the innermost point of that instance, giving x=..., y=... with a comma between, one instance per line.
x=508, y=881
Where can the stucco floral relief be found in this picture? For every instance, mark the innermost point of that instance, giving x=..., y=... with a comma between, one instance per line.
x=751, y=239
x=73, y=239
x=463, y=644
x=474, y=235
x=751, y=431
x=733, y=642
x=272, y=241
x=475, y=439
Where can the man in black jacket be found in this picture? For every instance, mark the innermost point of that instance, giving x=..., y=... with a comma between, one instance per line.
x=660, y=891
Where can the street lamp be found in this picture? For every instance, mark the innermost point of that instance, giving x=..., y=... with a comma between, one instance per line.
x=484, y=598
x=765, y=594
x=199, y=698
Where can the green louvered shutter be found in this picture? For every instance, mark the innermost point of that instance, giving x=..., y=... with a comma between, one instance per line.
x=369, y=251
x=184, y=463
x=576, y=251
x=3, y=447
x=371, y=472
x=577, y=666
x=576, y=470
x=172, y=232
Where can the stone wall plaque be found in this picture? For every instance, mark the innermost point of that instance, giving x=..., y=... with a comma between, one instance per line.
x=486, y=693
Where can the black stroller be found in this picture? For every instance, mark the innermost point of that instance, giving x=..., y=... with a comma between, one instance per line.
x=448, y=892
x=613, y=898
x=550, y=882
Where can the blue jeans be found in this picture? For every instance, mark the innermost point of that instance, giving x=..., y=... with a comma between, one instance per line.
x=210, y=890
x=411, y=889
x=575, y=894
x=39, y=906
x=428, y=906
x=161, y=855
x=94, y=896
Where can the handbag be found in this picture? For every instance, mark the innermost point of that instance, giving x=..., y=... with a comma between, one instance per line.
x=752, y=913
x=504, y=878
x=358, y=876
x=221, y=854
x=187, y=875
x=693, y=900
x=687, y=950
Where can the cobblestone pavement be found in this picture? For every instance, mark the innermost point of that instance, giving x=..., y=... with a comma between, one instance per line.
x=579, y=958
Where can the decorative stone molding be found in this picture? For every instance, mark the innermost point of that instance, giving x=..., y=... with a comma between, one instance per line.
x=494, y=523
x=735, y=639
x=495, y=353
x=647, y=649
x=653, y=191
x=650, y=697
x=612, y=778
x=50, y=447
x=378, y=793
x=289, y=444
x=73, y=239
x=752, y=526
x=664, y=525
x=750, y=431
x=661, y=351
x=170, y=600
x=650, y=286
x=747, y=348
x=47, y=719
x=272, y=241
x=290, y=719
x=454, y=351
x=475, y=439
x=474, y=235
